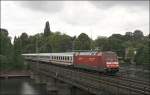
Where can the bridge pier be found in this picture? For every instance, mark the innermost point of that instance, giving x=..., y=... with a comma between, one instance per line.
x=51, y=86
x=77, y=91
x=31, y=75
x=37, y=79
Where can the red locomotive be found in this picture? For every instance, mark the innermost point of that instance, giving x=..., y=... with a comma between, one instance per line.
x=98, y=61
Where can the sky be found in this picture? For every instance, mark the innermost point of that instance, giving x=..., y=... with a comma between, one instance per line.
x=95, y=18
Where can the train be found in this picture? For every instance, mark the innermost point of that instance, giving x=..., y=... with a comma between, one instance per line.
x=96, y=61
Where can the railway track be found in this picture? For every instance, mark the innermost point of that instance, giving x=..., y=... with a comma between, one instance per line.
x=136, y=86
x=140, y=87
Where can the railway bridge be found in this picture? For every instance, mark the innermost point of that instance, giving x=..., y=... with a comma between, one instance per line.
x=62, y=80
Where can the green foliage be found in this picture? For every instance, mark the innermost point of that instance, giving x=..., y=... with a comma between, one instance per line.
x=131, y=52
x=123, y=45
x=143, y=55
x=116, y=45
x=83, y=42
x=6, y=49
x=60, y=42
x=138, y=34
x=102, y=43
x=47, y=30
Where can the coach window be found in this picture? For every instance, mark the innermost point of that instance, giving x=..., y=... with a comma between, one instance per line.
x=67, y=58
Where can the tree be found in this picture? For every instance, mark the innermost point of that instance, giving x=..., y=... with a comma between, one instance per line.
x=83, y=42
x=128, y=36
x=47, y=30
x=143, y=55
x=18, y=50
x=116, y=44
x=60, y=43
x=6, y=50
x=24, y=42
x=102, y=43
x=138, y=34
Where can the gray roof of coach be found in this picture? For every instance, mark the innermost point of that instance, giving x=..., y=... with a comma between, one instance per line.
x=49, y=54
x=60, y=54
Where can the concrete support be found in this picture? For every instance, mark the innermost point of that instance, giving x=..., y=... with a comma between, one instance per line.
x=77, y=91
x=63, y=88
x=37, y=79
x=43, y=79
x=32, y=75
x=51, y=86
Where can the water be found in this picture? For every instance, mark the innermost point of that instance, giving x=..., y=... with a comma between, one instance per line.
x=21, y=86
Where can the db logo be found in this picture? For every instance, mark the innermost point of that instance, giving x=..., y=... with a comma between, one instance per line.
x=91, y=59
x=80, y=58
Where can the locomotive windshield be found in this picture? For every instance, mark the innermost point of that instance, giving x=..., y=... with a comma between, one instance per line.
x=110, y=57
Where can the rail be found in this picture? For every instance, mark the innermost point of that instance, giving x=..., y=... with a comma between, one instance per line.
x=94, y=82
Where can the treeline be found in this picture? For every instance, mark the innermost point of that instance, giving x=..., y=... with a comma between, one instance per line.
x=131, y=47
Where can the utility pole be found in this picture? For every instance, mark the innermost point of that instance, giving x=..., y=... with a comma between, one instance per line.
x=37, y=57
x=37, y=44
x=91, y=39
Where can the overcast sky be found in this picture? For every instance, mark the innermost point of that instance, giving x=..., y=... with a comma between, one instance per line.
x=95, y=18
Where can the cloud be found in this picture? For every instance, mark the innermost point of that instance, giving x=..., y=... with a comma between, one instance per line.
x=73, y=17
x=81, y=13
x=133, y=3
x=42, y=6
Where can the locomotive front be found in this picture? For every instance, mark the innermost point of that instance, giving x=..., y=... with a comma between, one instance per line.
x=111, y=62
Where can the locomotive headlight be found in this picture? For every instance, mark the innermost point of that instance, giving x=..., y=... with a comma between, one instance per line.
x=108, y=62
x=115, y=62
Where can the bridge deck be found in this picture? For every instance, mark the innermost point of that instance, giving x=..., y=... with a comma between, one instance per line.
x=91, y=82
